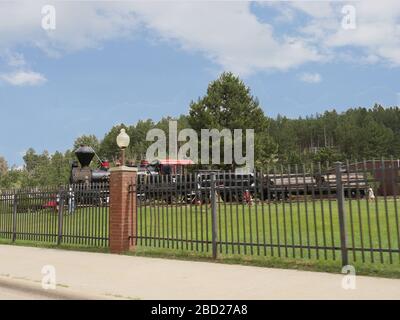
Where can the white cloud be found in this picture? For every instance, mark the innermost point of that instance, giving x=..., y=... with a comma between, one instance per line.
x=227, y=33
x=23, y=78
x=311, y=77
x=78, y=25
x=377, y=31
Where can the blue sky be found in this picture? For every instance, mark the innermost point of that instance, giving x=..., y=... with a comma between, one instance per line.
x=107, y=63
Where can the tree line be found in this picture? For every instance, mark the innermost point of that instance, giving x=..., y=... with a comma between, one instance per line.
x=358, y=133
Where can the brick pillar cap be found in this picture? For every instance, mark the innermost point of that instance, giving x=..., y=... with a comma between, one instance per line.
x=123, y=169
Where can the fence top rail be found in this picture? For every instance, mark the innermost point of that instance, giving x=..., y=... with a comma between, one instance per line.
x=55, y=189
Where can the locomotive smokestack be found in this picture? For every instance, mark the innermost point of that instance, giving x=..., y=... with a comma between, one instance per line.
x=85, y=155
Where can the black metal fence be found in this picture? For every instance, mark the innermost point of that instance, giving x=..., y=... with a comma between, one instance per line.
x=347, y=212
x=73, y=214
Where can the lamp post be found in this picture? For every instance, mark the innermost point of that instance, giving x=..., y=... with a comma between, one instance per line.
x=123, y=142
x=122, y=205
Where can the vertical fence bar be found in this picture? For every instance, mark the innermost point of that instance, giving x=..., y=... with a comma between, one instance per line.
x=247, y=202
x=384, y=170
x=164, y=211
x=348, y=193
x=241, y=201
x=175, y=197
x=342, y=213
x=236, y=201
x=146, y=188
x=205, y=219
x=289, y=173
x=230, y=197
x=60, y=218
x=377, y=214
x=330, y=211
x=299, y=216
x=256, y=197
x=313, y=200
x=320, y=182
x=214, y=217
x=261, y=183
x=193, y=199
x=182, y=203
x=90, y=202
x=393, y=178
x=276, y=200
x=14, y=218
x=305, y=192
x=185, y=202
x=151, y=207
x=269, y=193
x=223, y=194
x=360, y=219
x=371, y=243
x=197, y=180
x=283, y=198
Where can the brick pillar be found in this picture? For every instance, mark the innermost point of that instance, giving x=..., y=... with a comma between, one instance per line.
x=122, y=209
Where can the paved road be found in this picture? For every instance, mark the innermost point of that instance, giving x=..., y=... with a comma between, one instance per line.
x=117, y=276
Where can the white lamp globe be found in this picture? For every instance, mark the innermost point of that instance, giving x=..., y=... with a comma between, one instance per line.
x=123, y=139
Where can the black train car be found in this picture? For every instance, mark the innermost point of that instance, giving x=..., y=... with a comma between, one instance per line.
x=284, y=185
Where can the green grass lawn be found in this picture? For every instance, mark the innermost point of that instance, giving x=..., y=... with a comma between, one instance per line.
x=370, y=225
x=86, y=226
x=261, y=232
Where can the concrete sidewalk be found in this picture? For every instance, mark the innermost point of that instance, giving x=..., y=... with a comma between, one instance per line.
x=118, y=276
x=24, y=289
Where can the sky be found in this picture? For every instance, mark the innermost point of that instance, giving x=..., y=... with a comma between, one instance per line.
x=109, y=62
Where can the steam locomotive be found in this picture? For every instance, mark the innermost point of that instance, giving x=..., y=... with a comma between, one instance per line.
x=84, y=173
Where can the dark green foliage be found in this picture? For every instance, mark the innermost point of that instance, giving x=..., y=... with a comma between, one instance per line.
x=355, y=134
x=108, y=147
x=39, y=170
x=3, y=166
x=87, y=140
x=229, y=104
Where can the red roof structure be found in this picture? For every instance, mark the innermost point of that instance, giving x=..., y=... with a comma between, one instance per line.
x=172, y=162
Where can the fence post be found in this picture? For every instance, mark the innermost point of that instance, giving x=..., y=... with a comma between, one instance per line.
x=122, y=209
x=14, y=218
x=60, y=217
x=342, y=213
x=214, y=216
